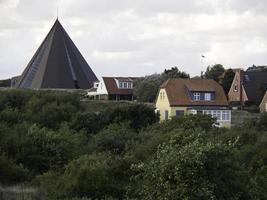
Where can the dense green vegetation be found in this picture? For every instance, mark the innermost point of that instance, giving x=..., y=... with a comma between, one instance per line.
x=146, y=89
x=73, y=149
x=222, y=76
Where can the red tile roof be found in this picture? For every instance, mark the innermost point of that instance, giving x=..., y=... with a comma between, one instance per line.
x=177, y=92
x=112, y=87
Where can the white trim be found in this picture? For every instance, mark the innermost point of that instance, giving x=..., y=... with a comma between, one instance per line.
x=196, y=96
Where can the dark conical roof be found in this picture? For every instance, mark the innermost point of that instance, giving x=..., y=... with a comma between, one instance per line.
x=57, y=64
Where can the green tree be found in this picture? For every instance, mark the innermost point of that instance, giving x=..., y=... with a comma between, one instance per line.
x=146, y=89
x=174, y=72
x=214, y=72
x=113, y=139
x=227, y=80
x=12, y=173
x=189, y=167
x=96, y=176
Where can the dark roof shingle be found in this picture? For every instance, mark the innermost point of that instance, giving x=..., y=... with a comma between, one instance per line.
x=57, y=64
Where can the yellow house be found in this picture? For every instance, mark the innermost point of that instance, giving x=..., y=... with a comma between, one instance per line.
x=263, y=105
x=178, y=97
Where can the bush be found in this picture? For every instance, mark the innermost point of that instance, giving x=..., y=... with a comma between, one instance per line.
x=96, y=176
x=12, y=173
x=91, y=123
x=188, y=167
x=139, y=116
x=114, y=138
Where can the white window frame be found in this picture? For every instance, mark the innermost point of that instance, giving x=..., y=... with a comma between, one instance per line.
x=219, y=115
x=196, y=96
x=207, y=96
x=226, y=115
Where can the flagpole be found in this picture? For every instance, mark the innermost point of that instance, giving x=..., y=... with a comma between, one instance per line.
x=202, y=66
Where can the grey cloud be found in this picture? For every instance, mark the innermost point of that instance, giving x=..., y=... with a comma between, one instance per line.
x=136, y=37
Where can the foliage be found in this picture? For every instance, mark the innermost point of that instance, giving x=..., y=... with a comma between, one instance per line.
x=5, y=83
x=146, y=89
x=174, y=72
x=12, y=173
x=73, y=149
x=188, y=167
x=227, y=80
x=113, y=139
x=96, y=176
x=214, y=72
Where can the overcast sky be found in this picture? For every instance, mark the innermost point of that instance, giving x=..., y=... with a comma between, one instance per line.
x=138, y=37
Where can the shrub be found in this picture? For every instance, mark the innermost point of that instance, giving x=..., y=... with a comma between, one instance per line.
x=12, y=173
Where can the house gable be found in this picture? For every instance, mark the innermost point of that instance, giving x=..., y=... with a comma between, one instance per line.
x=248, y=86
x=263, y=105
x=163, y=104
x=101, y=88
x=234, y=92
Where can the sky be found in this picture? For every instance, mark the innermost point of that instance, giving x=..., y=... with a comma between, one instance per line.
x=138, y=37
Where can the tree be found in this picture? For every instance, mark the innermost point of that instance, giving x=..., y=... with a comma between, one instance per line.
x=96, y=176
x=12, y=173
x=174, y=72
x=146, y=89
x=227, y=80
x=214, y=72
x=189, y=167
x=113, y=139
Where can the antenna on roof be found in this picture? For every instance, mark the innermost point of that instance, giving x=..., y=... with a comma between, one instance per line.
x=202, y=66
x=58, y=5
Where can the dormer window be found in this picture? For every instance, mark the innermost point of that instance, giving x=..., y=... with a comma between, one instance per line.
x=207, y=96
x=196, y=96
x=125, y=85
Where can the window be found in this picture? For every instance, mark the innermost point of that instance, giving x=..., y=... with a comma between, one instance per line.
x=218, y=115
x=193, y=112
x=247, y=78
x=207, y=96
x=125, y=85
x=206, y=112
x=163, y=95
x=235, y=88
x=179, y=113
x=225, y=115
x=129, y=85
x=197, y=96
x=160, y=95
x=166, y=114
